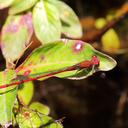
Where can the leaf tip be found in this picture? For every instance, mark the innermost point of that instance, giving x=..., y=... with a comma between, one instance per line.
x=108, y=65
x=106, y=62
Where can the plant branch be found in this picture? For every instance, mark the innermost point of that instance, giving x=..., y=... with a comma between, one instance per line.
x=81, y=65
x=96, y=35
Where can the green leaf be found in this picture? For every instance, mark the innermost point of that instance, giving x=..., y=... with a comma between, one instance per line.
x=5, y=3
x=100, y=23
x=62, y=54
x=27, y=118
x=40, y=108
x=16, y=34
x=25, y=93
x=110, y=41
x=21, y=5
x=46, y=22
x=71, y=26
x=106, y=62
x=7, y=97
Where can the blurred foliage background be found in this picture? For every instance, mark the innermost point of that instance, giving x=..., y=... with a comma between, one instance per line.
x=100, y=101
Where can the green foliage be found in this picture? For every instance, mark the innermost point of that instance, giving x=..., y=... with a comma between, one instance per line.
x=7, y=97
x=40, y=108
x=21, y=5
x=50, y=19
x=5, y=3
x=110, y=41
x=46, y=22
x=16, y=34
x=69, y=20
x=27, y=118
x=25, y=93
x=100, y=23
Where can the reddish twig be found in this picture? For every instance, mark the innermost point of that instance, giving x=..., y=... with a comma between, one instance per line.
x=81, y=65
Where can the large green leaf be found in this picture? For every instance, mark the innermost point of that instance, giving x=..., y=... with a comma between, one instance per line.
x=61, y=54
x=25, y=92
x=21, y=5
x=5, y=3
x=7, y=97
x=27, y=118
x=16, y=34
x=71, y=26
x=46, y=21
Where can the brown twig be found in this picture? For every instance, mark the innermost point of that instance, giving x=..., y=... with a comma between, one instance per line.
x=96, y=35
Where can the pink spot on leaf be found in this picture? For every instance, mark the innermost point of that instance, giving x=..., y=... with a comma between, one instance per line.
x=26, y=73
x=42, y=58
x=19, y=69
x=27, y=20
x=11, y=28
x=78, y=46
x=26, y=114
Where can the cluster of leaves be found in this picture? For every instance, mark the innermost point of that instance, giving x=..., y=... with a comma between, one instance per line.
x=48, y=19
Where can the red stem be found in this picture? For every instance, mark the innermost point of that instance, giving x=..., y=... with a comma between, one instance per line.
x=86, y=63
